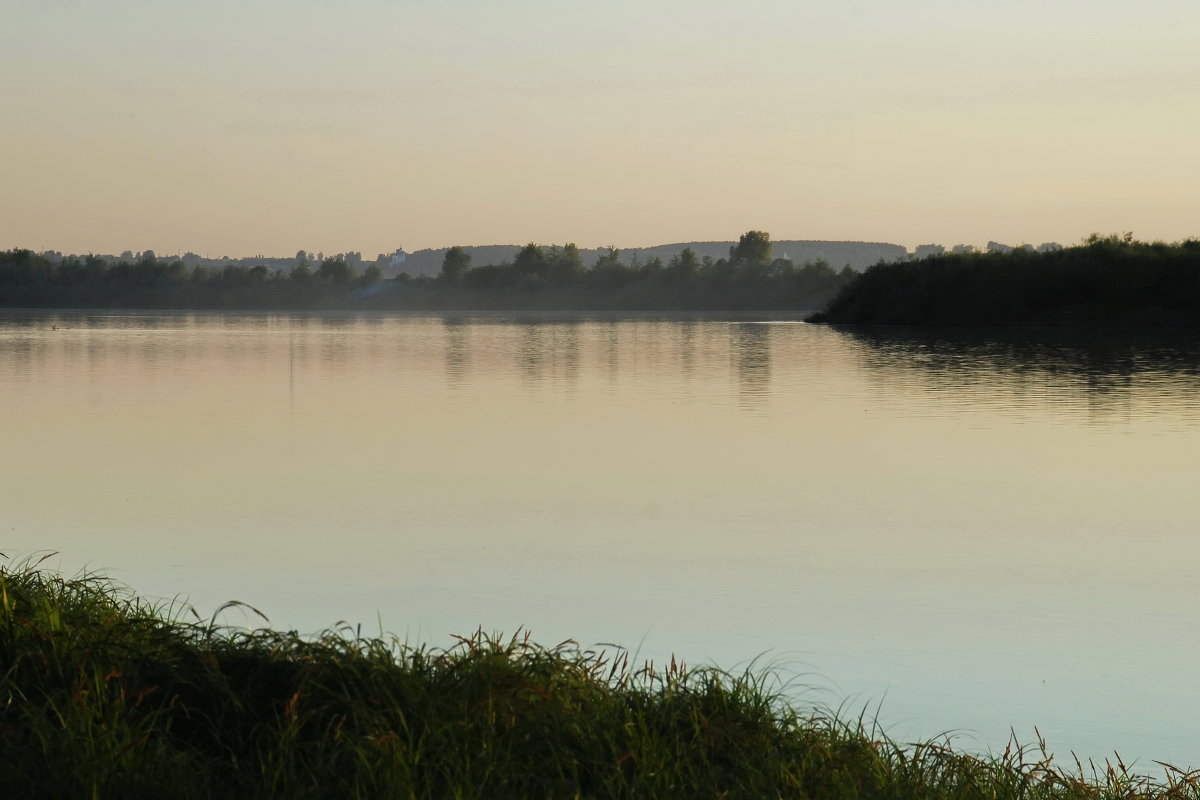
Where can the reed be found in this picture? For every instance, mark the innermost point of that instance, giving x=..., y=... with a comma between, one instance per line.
x=104, y=695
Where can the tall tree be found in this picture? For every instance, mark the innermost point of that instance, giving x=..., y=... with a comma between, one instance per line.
x=566, y=263
x=531, y=261
x=455, y=264
x=753, y=248
x=685, y=264
x=335, y=270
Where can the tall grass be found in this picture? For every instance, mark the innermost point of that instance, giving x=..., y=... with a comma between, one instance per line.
x=103, y=695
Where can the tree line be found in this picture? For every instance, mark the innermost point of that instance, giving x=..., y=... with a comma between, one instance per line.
x=28, y=279
x=537, y=277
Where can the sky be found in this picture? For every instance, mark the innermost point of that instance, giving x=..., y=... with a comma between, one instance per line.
x=244, y=127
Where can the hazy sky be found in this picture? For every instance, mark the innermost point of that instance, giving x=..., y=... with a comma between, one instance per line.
x=265, y=126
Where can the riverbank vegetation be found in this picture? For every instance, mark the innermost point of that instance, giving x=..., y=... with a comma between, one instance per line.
x=1107, y=280
x=103, y=694
x=537, y=278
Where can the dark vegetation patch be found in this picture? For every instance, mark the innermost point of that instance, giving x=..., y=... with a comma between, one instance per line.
x=1111, y=280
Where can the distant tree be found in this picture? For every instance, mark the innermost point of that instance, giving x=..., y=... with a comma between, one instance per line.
x=723, y=269
x=781, y=267
x=565, y=263
x=455, y=264
x=652, y=267
x=1111, y=240
x=372, y=274
x=335, y=270
x=684, y=265
x=608, y=255
x=609, y=272
x=231, y=275
x=530, y=262
x=301, y=273
x=489, y=277
x=754, y=247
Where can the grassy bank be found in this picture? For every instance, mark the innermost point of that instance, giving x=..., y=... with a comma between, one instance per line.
x=105, y=695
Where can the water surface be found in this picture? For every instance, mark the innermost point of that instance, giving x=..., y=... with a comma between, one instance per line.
x=977, y=530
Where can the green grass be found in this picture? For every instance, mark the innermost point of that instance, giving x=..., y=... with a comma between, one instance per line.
x=103, y=695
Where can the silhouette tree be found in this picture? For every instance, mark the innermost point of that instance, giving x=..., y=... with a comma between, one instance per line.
x=565, y=263
x=335, y=270
x=301, y=273
x=608, y=255
x=685, y=265
x=530, y=262
x=754, y=247
x=455, y=264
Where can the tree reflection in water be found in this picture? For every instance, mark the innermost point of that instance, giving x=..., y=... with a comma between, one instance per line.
x=1118, y=373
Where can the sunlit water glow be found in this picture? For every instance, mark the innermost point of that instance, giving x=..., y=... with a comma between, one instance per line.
x=978, y=531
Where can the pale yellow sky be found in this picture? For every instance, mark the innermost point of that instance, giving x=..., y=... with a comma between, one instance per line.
x=267, y=126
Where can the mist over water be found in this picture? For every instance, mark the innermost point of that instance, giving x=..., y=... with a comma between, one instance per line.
x=977, y=530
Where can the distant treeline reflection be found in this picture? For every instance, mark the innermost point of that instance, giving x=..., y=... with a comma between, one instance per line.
x=989, y=366
x=557, y=348
x=553, y=277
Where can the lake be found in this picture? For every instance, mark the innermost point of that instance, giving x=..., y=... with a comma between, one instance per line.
x=969, y=531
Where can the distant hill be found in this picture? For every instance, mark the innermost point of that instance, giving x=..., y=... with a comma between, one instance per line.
x=858, y=255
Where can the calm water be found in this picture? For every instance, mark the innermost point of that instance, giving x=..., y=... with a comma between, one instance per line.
x=972, y=531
